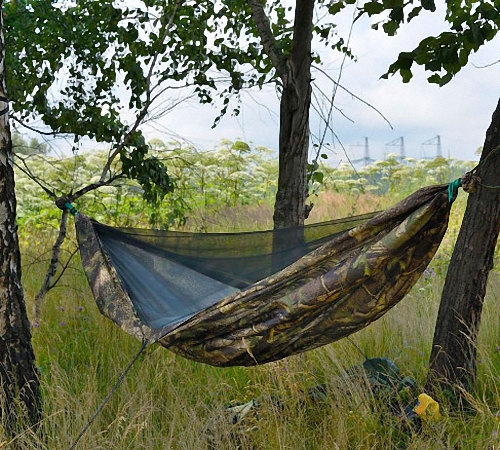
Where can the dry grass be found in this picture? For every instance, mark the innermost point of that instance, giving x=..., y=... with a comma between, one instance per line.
x=167, y=402
x=327, y=206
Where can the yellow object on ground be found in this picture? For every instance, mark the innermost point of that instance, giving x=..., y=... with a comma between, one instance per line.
x=427, y=408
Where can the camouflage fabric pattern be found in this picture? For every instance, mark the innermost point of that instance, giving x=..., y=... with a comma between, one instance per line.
x=328, y=294
x=112, y=300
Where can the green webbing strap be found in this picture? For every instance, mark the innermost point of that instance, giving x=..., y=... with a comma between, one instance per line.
x=453, y=189
x=71, y=208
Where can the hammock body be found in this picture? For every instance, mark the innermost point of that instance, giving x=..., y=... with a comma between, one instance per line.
x=342, y=285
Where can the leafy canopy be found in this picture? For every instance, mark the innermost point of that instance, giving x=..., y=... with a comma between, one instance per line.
x=70, y=64
x=471, y=25
x=100, y=68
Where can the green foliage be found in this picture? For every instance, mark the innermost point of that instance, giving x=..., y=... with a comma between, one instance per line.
x=85, y=68
x=471, y=25
x=394, y=176
x=232, y=174
x=69, y=64
x=21, y=147
x=149, y=172
x=82, y=68
x=67, y=61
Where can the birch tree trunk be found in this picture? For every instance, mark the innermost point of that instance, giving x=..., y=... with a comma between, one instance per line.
x=19, y=383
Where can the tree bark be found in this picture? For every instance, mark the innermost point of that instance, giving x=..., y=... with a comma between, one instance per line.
x=19, y=384
x=290, y=207
x=294, y=72
x=453, y=358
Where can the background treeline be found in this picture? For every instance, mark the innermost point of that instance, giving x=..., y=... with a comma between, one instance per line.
x=206, y=183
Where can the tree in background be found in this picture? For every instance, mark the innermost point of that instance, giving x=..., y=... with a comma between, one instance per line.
x=272, y=42
x=21, y=147
x=285, y=34
x=292, y=65
x=471, y=24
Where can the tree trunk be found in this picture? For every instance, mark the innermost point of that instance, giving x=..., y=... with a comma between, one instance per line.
x=19, y=383
x=453, y=357
x=294, y=71
x=290, y=207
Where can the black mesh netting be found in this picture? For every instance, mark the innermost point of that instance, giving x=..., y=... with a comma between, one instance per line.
x=170, y=276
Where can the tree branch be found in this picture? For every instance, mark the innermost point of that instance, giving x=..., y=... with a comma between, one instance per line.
x=271, y=48
x=51, y=271
x=64, y=267
x=29, y=174
x=93, y=186
x=352, y=95
x=45, y=133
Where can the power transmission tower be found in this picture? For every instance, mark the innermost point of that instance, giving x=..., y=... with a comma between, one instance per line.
x=366, y=160
x=436, y=142
x=400, y=143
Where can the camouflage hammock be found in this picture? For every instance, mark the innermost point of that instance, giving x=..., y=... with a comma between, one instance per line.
x=226, y=299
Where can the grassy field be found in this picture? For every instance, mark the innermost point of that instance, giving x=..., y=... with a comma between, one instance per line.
x=167, y=402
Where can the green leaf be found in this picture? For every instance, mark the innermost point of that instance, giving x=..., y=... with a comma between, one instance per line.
x=406, y=75
x=318, y=177
x=446, y=79
x=414, y=13
x=434, y=65
x=405, y=60
x=336, y=7
x=463, y=57
x=429, y=5
x=390, y=28
x=397, y=15
x=436, y=79
x=373, y=7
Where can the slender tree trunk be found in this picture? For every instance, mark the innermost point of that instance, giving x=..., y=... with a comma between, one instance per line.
x=19, y=383
x=290, y=207
x=52, y=269
x=453, y=357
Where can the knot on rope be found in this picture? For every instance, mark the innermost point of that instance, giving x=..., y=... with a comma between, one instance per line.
x=470, y=182
x=64, y=203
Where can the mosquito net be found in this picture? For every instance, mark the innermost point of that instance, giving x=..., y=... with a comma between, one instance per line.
x=171, y=276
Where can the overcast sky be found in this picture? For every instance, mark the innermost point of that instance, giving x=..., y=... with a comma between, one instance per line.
x=459, y=112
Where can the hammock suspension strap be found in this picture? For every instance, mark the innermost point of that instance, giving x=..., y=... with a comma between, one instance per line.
x=110, y=394
x=453, y=189
x=71, y=208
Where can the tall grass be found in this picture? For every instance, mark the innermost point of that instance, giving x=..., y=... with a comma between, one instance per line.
x=167, y=402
